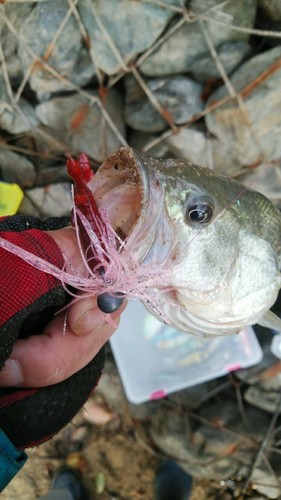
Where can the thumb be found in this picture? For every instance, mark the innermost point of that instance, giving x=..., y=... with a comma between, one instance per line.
x=84, y=316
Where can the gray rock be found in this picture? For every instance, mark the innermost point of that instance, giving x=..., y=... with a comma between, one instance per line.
x=178, y=96
x=215, y=445
x=253, y=374
x=230, y=55
x=68, y=57
x=272, y=8
x=262, y=103
x=16, y=168
x=18, y=121
x=121, y=29
x=224, y=158
x=264, y=399
x=209, y=450
x=266, y=179
x=266, y=483
x=179, y=51
x=266, y=23
x=51, y=201
x=52, y=175
x=110, y=387
x=167, y=434
x=264, y=378
x=16, y=13
x=190, y=145
x=80, y=124
x=141, y=140
x=18, y=118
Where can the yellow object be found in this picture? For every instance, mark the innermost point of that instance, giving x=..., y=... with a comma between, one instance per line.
x=11, y=197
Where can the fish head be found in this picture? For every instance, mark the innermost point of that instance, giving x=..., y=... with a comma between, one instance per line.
x=211, y=244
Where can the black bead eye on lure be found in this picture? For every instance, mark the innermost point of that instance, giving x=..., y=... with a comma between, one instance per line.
x=108, y=302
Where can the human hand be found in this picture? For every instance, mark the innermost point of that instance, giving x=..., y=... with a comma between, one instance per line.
x=55, y=354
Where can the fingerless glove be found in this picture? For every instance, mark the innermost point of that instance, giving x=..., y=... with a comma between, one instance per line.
x=28, y=300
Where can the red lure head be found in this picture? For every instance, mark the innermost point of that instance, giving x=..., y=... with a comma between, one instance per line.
x=79, y=170
x=85, y=204
x=81, y=173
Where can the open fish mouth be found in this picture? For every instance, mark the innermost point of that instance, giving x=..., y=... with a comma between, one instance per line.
x=121, y=187
x=127, y=187
x=130, y=192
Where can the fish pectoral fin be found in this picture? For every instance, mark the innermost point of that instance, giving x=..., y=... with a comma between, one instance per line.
x=270, y=320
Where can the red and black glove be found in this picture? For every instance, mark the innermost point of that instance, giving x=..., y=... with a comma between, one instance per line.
x=29, y=298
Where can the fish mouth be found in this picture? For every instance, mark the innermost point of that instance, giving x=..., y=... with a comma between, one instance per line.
x=121, y=187
x=127, y=187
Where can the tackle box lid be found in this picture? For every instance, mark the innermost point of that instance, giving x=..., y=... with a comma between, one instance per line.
x=155, y=360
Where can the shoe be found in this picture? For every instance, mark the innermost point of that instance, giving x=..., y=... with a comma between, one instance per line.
x=172, y=482
x=69, y=479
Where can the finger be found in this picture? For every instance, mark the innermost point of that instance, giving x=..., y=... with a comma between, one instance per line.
x=84, y=315
x=67, y=242
x=53, y=356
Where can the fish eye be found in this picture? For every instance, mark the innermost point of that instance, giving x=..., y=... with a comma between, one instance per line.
x=199, y=212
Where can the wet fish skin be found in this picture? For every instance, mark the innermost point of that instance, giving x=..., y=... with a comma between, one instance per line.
x=225, y=269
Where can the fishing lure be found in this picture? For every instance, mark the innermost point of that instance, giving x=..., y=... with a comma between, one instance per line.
x=112, y=271
x=84, y=201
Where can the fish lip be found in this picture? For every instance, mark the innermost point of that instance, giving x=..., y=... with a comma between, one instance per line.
x=151, y=190
x=139, y=163
x=145, y=175
x=145, y=196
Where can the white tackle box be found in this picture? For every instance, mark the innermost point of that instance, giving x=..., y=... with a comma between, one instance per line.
x=155, y=360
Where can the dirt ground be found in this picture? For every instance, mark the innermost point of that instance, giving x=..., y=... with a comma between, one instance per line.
x=128, y=470
x=105, y=444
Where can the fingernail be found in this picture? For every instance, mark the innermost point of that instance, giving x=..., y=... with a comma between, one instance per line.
x=11, y=374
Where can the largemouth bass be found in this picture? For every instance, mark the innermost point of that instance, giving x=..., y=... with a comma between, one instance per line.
x=211, y=248
x=201, y=251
